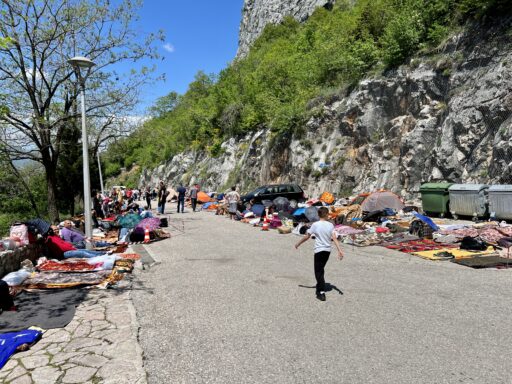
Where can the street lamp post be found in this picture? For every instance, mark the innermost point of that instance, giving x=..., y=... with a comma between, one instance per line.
x=101, y=176
x=82, y=67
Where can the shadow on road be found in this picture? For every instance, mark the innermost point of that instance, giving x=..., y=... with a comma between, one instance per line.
x=328, y=287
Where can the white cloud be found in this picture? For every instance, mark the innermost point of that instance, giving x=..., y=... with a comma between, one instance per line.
x=169, y=47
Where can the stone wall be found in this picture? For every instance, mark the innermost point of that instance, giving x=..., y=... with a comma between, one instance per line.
x=10, y=260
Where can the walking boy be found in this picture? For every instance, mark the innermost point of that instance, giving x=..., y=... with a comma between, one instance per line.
x=323, y=231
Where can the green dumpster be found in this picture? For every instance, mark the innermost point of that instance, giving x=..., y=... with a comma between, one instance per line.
x=435, y=198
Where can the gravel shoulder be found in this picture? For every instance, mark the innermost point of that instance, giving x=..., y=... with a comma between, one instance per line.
x=228, y=303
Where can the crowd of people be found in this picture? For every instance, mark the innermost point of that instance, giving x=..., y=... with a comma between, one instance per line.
x=122, y=199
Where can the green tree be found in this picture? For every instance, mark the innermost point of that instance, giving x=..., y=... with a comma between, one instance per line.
x=40, y=92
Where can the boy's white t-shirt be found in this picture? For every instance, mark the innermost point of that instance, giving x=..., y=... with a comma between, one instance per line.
x=322, y=230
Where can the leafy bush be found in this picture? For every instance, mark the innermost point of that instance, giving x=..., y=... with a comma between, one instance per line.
x=290, y=71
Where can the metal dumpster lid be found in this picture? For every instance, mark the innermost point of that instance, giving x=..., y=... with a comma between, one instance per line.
x=468, y=187
x=501, y=188
x=442, y=185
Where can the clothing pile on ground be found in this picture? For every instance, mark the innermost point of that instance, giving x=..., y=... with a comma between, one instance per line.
x=64, y=266
x=382, y=219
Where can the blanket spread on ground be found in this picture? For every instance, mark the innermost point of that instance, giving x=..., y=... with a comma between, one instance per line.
x=43, y=309
x=418, y=246
x=65, y=279
x=12, y=340
x=457, y=253
x=484, y=262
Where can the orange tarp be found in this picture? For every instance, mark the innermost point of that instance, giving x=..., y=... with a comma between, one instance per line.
x=203, y=197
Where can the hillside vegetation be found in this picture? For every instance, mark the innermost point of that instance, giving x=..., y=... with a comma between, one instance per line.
x=291, y=70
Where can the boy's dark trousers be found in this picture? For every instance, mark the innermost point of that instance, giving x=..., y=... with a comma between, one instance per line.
x=320, y=261
x=194, y=204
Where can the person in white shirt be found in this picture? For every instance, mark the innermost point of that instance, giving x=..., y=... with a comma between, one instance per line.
x=232, y=197
x=323, y=231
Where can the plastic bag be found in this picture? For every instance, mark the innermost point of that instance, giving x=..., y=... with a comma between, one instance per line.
x=8, y=244
x=16, y=278
x=19, y=233
x=105, y=261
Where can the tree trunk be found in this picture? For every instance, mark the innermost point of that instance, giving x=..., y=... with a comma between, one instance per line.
x=51, y=183
x=27, y=189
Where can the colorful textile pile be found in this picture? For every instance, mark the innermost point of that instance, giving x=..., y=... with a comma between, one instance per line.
x=129, y=256
x=365, y=239
x=490, y=235
x=418, y=246
x=507, y=231
x=460, y=233
x=67, y=266
x=50, y=280
x=151, y=223
x=344, y=230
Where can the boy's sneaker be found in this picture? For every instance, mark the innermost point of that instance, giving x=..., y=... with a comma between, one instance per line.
x=320, y=296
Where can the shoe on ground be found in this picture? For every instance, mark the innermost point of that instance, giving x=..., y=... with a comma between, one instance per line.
x=321, y=296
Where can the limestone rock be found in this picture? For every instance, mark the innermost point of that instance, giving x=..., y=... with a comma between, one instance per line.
x=256, y=14
x=415, y=124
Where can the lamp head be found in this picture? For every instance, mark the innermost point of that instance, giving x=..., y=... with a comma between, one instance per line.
x=79, y=64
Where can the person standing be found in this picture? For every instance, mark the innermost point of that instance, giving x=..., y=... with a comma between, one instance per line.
x=181, y=197
x=232, y=198
x=193, y=196
x=323, y=231
x=148, y=197
x=105, y=207
x=129, y=195
x=120, y=196
x=96, y=204
x=162, y=196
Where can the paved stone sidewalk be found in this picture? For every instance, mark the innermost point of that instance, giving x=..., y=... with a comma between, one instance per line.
x=98, y=346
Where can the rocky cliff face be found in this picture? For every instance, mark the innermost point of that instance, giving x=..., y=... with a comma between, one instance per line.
x=446, y=117
x=257, y=14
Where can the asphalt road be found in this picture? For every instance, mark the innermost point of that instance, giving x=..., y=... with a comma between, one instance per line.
x=226, y=305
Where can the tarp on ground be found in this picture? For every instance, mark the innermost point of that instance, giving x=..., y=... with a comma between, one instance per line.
x=206, y=205
x=258, y=209
x=202, y=197
x=44, y=309
x=299, y=212
x=10, y=341
x=426, y=220
x=380, y=200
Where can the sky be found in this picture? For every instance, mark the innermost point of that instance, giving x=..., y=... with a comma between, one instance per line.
x=200, y=35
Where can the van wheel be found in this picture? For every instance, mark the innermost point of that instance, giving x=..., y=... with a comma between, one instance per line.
x=293, y=204
x=455, y=217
